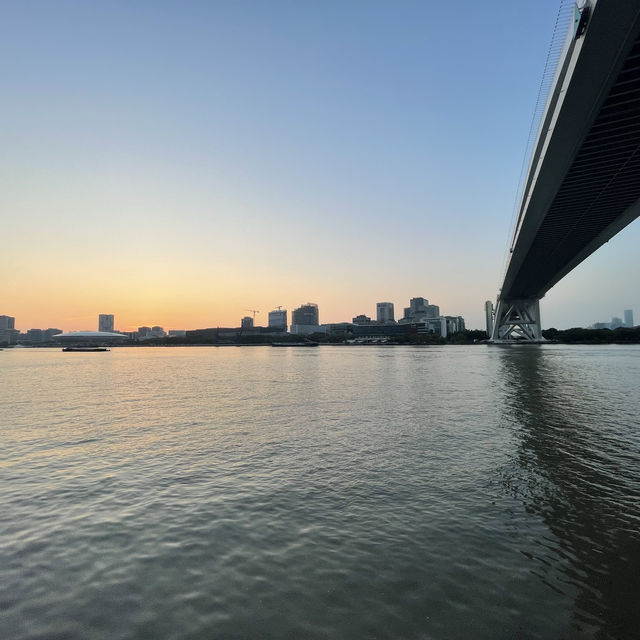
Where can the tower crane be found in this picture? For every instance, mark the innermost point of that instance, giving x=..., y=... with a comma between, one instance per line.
x=254, y=311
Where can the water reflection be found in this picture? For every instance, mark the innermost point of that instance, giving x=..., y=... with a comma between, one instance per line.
x=578, y=469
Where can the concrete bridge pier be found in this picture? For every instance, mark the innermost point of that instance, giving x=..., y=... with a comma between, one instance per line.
x=517, y=320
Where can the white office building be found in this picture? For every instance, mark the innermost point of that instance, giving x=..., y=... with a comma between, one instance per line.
x=488, y=312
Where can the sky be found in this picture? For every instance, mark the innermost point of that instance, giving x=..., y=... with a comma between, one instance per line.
x=179, y=163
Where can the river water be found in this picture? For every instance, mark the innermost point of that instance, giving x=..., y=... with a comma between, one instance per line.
x=337, y=492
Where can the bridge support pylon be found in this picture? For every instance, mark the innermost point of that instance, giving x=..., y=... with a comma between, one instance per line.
x=517, y=321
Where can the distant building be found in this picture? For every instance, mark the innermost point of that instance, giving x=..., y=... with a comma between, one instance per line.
x=374, y=331
x=34, y=336
x=451, y=325
x=49, y=333
x=148, y=333
x=417, y=306
x=278, y=318
x=488, y=312
x=7, y=322
x=105, y=322
x=384, y=313
x=336, y=328
x=144, y=332
x=90, y=338
x=8, y=333
x=426, y=318
x=306, y=314
x=246, y=322
x=600, y=325
x=305, y=319
x=177, y=333
x=615, y=323
x=419, y=309
x=361, y=319
x=226, y=335
x=628, y=318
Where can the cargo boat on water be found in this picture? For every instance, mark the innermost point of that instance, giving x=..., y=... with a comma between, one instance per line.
x=85, y=349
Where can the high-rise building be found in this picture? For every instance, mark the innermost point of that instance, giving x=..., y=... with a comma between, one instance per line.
x=488, y=312
x=419, y=308
x=384, y=312
x=278, y=318
x=8, y=333
x=305, y=319
x=105, y=322
x=7, y=322
x=615, y=323
x=246, y=322
x=306, y=314
x=628, y=317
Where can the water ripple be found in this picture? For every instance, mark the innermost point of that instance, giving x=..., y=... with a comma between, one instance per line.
x=346, y=493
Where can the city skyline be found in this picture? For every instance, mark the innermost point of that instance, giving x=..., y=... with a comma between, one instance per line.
x=338, y=152
x=274, y=317
x=418, y=310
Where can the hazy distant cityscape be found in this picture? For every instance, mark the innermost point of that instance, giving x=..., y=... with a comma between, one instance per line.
x=420, y=317
x=616, y=322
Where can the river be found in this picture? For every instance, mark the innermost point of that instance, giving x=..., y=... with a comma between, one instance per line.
x=337, y=492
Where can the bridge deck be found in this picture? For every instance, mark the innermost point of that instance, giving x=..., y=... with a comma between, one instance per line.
x=585, y=185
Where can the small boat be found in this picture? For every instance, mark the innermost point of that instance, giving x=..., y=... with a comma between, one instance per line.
x=307, y=343
x=85, y=349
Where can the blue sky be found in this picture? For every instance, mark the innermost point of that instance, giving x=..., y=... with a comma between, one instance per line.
x=177, y=163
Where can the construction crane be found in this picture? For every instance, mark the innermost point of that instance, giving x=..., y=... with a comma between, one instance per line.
x=254, y=311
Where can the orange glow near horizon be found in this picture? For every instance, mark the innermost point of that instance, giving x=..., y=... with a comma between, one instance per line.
x=181, y=297
x=151, y=282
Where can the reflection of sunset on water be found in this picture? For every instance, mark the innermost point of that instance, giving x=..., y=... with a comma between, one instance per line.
x=395, y=486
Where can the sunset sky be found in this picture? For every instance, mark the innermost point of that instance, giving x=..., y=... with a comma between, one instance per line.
x=177, y=163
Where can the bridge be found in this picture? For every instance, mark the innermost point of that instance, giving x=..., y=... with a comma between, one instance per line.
x=583, y=180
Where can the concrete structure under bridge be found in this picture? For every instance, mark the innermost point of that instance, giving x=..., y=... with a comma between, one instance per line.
x=583, y=181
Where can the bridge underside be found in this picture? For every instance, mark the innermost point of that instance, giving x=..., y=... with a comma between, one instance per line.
x=596, y=199
x=583, y=184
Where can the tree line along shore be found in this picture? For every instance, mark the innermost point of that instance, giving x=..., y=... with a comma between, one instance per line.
x=576, y=335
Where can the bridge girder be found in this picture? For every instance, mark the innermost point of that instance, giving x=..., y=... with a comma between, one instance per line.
x=583, y=182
